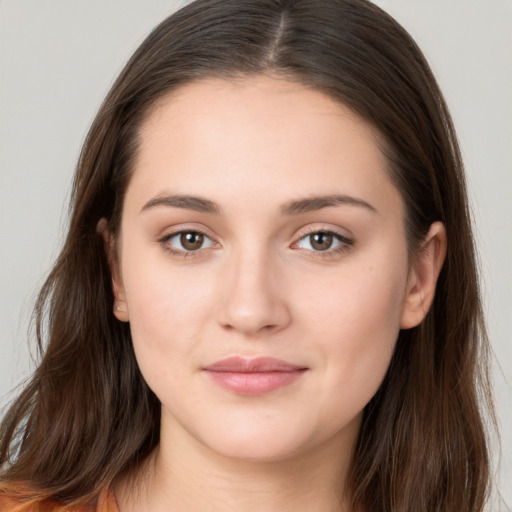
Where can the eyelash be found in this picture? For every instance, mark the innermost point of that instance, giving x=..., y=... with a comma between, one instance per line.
x=345, y=243
x=181, y=252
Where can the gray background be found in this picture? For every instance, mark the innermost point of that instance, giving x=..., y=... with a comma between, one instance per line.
x=58, y=59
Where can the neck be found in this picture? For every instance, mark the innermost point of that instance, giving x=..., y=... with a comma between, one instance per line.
x=184, y=475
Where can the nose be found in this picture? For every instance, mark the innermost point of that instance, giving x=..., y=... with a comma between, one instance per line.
x=253, y=300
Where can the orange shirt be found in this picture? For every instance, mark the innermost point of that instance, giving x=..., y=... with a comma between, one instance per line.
x=11, y=503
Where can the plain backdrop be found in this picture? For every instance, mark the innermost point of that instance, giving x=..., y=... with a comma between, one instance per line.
x=58, y=59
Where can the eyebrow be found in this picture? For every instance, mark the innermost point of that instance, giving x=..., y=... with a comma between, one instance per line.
x=310, y=204
x=197, y=204
x=294, y=207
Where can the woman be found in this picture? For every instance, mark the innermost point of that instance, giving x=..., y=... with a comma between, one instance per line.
x=268, y=297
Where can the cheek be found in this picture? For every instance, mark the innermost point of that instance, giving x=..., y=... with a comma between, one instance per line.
x=355, y=321
x=167, y=312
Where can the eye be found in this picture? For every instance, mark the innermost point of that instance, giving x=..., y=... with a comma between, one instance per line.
x=324, y=241
x=187, y=241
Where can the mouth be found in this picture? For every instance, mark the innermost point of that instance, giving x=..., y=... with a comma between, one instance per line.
x=255, y=376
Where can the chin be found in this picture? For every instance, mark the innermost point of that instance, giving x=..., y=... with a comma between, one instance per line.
x=257, y=448
x=248, y=437
x=261, y=440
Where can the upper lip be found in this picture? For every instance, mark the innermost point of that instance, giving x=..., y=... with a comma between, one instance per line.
x=252, y=365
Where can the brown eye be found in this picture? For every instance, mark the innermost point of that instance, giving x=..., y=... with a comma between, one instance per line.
x=321, y=241
x=191, y=240
x=328, y=242
x=184, y=243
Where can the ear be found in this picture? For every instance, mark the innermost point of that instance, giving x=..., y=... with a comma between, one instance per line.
x=423, y=274
x=120, y=306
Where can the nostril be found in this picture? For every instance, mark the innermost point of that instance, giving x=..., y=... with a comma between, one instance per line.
x=250, y=301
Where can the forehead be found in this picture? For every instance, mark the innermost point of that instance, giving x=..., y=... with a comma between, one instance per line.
x=258, y=136
x=251, y=103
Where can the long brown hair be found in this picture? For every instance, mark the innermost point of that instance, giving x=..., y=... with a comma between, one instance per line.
x=87, y=415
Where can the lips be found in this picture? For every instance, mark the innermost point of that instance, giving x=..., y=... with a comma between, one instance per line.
x=253, y=376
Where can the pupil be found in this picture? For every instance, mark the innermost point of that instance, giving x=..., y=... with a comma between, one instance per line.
x=191, y=240
x=321, y=241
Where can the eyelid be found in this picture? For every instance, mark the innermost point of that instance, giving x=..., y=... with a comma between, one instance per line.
x=179, y=233
x=179, y=230
x=346, y=241
x=323, y=228
x=185, y=227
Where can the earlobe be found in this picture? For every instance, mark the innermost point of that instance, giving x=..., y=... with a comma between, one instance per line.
x=120, y=306
x=423, y=274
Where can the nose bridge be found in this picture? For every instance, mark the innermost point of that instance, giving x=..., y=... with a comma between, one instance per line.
x=252, y=301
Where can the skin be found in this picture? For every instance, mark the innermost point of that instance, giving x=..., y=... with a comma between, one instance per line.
x=258, y=286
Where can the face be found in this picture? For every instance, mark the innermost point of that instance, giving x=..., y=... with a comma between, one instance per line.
x=262, y=265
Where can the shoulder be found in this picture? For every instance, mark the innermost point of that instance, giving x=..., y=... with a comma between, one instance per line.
x=13, y=499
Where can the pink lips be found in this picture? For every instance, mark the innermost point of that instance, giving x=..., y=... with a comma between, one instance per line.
x=253, y=376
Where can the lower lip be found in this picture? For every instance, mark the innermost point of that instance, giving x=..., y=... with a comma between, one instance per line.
x=253, y=383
